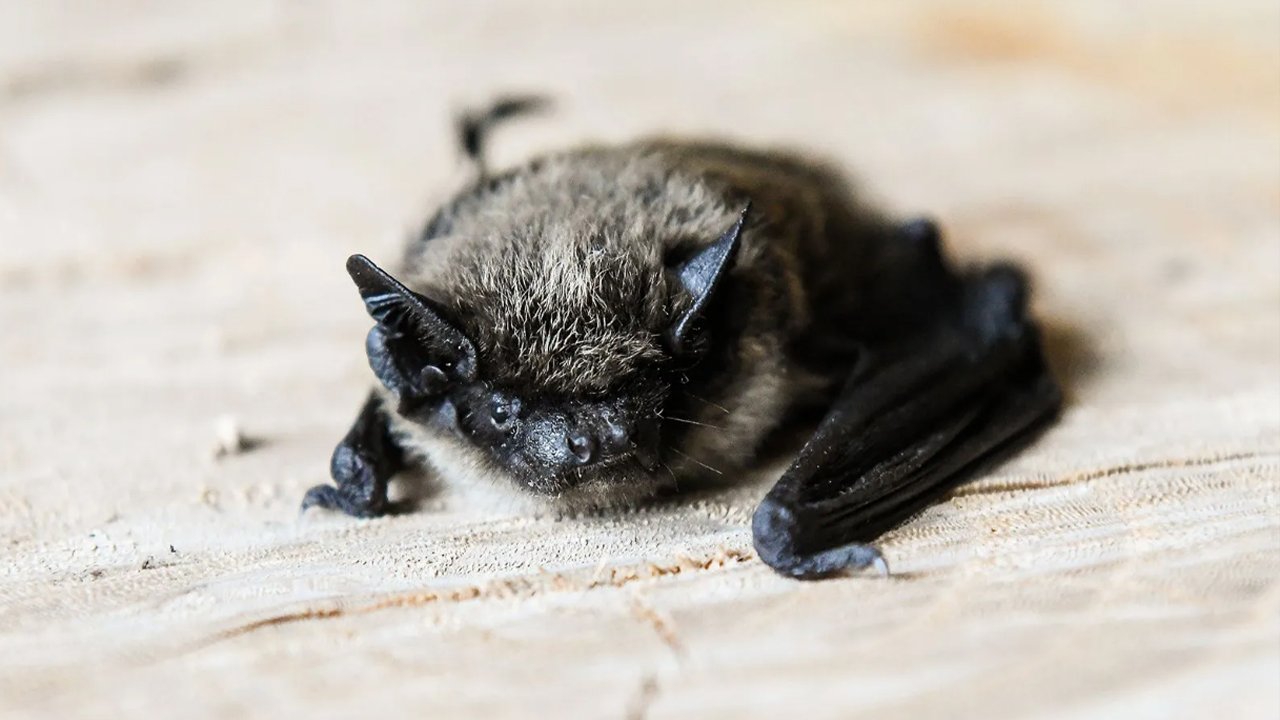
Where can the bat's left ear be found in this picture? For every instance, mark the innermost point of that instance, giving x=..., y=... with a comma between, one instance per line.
x=700, y=276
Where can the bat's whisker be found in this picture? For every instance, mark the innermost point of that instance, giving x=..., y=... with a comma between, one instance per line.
x=674, y=480
x=696, y=460
x=692, y=422
x=717, y=406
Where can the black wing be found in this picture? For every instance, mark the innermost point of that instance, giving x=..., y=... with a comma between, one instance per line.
x=474, y=126
x=915, y=418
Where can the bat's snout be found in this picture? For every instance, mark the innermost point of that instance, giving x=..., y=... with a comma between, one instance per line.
x=563, y=449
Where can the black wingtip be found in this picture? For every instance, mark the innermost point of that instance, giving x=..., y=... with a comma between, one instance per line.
x=513, y=105
x=474, y=126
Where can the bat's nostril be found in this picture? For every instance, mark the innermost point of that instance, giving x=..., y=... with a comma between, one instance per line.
x=582, y=446
x=615, y=439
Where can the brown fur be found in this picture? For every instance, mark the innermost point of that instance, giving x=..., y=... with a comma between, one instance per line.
x=558, y=271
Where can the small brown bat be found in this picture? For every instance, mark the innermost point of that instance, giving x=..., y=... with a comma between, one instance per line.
x=598, y=323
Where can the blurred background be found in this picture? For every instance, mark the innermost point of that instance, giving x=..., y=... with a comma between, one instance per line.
x=180, y=183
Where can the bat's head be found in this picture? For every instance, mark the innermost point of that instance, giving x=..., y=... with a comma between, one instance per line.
x=561, y=382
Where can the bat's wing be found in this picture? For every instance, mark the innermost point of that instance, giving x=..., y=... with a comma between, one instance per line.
x=915, y=418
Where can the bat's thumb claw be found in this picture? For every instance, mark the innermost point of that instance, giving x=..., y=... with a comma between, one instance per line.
x=319, y=496
x=881, y=565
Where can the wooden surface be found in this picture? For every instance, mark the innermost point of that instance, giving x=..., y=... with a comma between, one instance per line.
x=180, y=183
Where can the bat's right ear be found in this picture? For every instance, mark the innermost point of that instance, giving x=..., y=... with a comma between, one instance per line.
x=403, y=312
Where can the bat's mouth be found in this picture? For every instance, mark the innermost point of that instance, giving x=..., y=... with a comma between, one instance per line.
x=627, y=470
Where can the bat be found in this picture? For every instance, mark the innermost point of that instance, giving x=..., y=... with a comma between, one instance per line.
x=603, y=324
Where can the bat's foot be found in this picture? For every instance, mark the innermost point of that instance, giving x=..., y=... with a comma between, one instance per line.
x=361, y=489
x=775, y=541
x=361, y=466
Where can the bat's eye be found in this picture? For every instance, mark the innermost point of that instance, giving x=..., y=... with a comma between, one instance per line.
x=503, y=413
x=432, y=380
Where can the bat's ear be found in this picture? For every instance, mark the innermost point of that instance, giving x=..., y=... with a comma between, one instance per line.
x=700, y=276
x=402, y=312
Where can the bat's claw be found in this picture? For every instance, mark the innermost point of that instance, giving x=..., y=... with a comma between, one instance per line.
x=325, y=496
x=881, y=565
x=339, y=498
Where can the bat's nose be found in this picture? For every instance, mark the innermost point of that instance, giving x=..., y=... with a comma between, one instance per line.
x=562, y=444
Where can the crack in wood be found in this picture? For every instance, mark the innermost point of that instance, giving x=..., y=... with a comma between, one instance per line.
x=996, y=487
x=506, y=588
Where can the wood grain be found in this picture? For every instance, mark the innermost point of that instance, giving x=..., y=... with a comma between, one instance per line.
x=180, y=183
